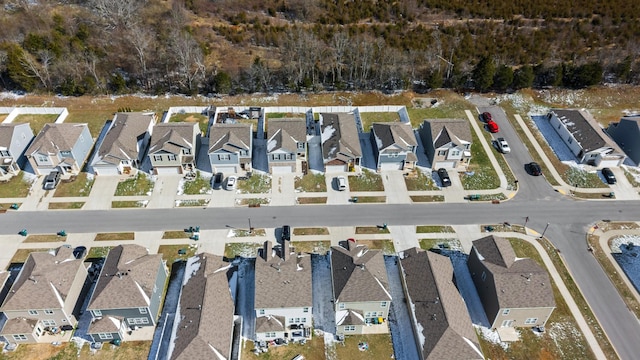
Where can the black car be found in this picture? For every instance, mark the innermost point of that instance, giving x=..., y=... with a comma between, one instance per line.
x=534, y=169
x=286, y=232
x=79, y=252
x=608, y=175
x=217, y=180
x=444, y=177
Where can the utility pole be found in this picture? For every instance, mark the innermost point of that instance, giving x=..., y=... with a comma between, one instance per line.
x=544, y=231
x=449, y=64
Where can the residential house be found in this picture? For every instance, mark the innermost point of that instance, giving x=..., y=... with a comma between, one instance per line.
x=440, y=320
x=585, y=138
x=283, y=301
x=395, y=146
x=515, y=292
x=287, y=145
x=360, y=289
x=123, y=147
x=230, y=147
x=340, y=141
x=39, y=305
x=626, y=134
x=128, y=293
x=447, y=143
x=174, y=147
x=62, y=146
x=204, y=319
x=14, y=139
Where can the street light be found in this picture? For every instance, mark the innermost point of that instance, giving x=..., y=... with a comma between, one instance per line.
x=544, y=231
x=250, y=228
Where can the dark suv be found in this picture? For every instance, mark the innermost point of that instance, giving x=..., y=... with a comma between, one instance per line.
x=534, y=169
x=217, y=180
x=286, y=232
x=52, y=180
x=608, y=175
x=444, y=177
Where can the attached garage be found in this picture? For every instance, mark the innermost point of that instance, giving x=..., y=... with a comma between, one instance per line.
x=281, y=169
x=106, y=170
x=226, y=169
x=335, y=168
x=391, y=166
x=444, y=164
x=169, y=170
x=609, y=163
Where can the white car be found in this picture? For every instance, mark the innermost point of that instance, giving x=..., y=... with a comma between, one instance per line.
x=503, y=146
x=231, y=182
x=341, y=182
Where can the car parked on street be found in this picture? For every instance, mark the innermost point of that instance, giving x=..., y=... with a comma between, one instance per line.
x=217, y=180
x=444, y=177
x=231, y=182
x=52, y=180
x=608, y=176
x=492, y=126
x=503, y=146
x=533, y=168
x=486, y=116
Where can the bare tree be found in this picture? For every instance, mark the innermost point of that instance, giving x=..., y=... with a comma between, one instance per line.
x=142, y=40
x=339, y=46
x=38, y=67
x=116, y=12
x=188, y=57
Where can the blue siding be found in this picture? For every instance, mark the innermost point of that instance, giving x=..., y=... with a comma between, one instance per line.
x=82, y=147
x=156, y=297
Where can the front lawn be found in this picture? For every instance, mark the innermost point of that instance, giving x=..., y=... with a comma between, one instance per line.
x=17, y=187
x=583, y=179
x=480, y=174
x=172, y=253
x=419, y=181
x=115, y=236
x=311, y=183
x=366, y=181
x=255, y=184
x=312, y=247
x=21, y=255
x=247, y=250
x=197, y=186
x=385, y=245
x=139, y=185
x=79, y=185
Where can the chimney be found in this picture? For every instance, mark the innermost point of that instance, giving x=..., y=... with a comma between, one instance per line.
x=266, y=251
x=285, y=250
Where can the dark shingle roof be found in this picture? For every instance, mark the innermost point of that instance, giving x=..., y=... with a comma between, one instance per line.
x=285, y=133
x=121, y=141
x=444, y=131
x=443, y=322
x=339, y=137
x=519, y=282
x=358, y=273
x=229, y=137
x=270, y=323
x=173, y=137
x=203, y=326
x=585, y=130
x=394, y=133
x=108, y=324
x=626, y=134
x=54, y=138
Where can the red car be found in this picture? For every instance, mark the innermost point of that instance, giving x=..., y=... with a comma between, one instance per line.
x=492, y=126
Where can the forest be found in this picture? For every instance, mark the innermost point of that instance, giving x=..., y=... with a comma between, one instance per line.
x=77, y=47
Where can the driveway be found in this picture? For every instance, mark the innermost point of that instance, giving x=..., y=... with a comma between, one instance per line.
x=400, y=323
x=394, y=187
x=324, y=316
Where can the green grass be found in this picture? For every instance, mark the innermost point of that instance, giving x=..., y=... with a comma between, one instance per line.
x=36, y=122
x=385, y=245
x=371, y=230
x=197, y=186
x=231, y=250
x=97, y=252
x=485, y=176
x=178, y=234
x=419, y=181
x=128, y=204
x=368, y=118
x=586, y=195
x=503, y=228
x=65, y=205
x=191, y=203
x=380, y=347
x=366, y=181
x=489, y=197
x=256, y=184
x=311, y=231
x=246, y=233
x=284, y=115
x=202, y=120
x=79, y=185
x=7, y=206
x=16, y=187
x=312, y=200
x=450, y=105
x=427, y=198
x=44, y=238
x=311, y=350
x=440, y=244
x=582, y=179
x=21, y=255
x=629, y=174
x=253, y=201
x=312, y=247
x=370, y=199
x=139, y=185
x=115, y=236
x=311, y=183
x=422, y=229
x=170, y=252
x=506, y=170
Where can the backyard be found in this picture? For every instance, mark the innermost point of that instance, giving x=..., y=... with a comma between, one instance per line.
x=201, y=119
x=368, y=118
x=36, y=121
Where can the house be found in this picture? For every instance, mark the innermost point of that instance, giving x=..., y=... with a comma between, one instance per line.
x=204, y=320
x=626, y=134
x=515, y=292
x=447, y=143
x=62, y=146
x=585, y=138
x=440, y=320
x=283, y=301
x=128, y=293
x=360, y=289
x=287, y=145
x=123, y=147
x=174, y=147
x=230, y=147
x=39, y=305
x=14, y=139
x=340, y=142
x=394, y=146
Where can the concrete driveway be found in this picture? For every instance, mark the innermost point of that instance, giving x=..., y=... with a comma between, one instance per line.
x=394, y=187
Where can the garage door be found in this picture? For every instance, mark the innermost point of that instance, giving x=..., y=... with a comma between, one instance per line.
x=608, y=163
x=445, y=164
x=281, y=170
x=167, y=170
x=106, y=170
x=391, y=166
x=226, y=169
x=335, y=168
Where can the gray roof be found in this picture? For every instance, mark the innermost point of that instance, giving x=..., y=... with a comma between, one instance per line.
x=394, y=133
x=444, y=131
x=127, y=278
x=230, y=137
x=440, y=311
x=121, y=141
x=340, y=140
x=519, y=282
x=173, y=137
x=585, y=130
x=204, y=317
x=282, y=281
x=270, y=323
x=6, y=133
x=19, y=325
x=358, y=273
x=626, y=134
x=45, y=279
x=54, y=138
x=285, y=134
x=107, y=324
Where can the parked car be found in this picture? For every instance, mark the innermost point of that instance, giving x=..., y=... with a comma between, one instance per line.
x=231, y=182
x=486, y=116
x=492, y=126
x=52, y=180
x=503, y=146
x=80, y=252
x=341, y=183
x=444, y=177
x=534, y=169
x=608, y=175
x=286, y=232
x=217, y=180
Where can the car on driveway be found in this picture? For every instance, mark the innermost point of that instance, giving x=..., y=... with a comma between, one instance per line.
x=217, y=180
x=608, y=175
x=52, y=180
x=341, y=183
x=534, y=169
x=286, y=232
x=503, y=146
x=80, y=252
x=231, y=182
x=444, y=177
x=492, y=126
x=486, y=116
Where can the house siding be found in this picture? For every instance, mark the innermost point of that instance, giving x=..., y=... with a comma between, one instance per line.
x=566, y=137
x=129, y=313
x=156, y=297
x=364, y=307
x=520, y=315
x=234, y=159
x=96, y=337
x=22, y=137
x=59, y=316
x=162, y=159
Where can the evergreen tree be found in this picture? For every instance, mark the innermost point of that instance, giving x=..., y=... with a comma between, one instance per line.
x=503, y=78
x=523, y=77
x=483, y=74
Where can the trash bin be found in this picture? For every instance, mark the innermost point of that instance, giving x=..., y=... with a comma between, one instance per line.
x=354, y=199
x=195, y=237
x=62, y=233
x=23, y=232
x=14, y=206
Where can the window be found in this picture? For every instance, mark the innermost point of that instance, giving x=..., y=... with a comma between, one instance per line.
x=341, y=306
x=172, y=157
x=306, y=310
x=142, y=310
x=288, y=156
x=186, y=151
x=349, y=328
x=38, y=331
x=65, y=153
x=530, y=321
x=157, y=157
x=20, y=337
x=105, y=336
x=138, y=321
x=224, y=157
x=300, y=145
x=455, y=153
x=442, y=152
x=42, y=158
x=270, y=335
x=97, y=313
x=49, y=322
x=383, y=304
x=484, y=276
x=506, y=311
x=33, y=312
x=275, y=157
x=4, y=153
x=48, y=312
x=303, y=320
x=261, y=311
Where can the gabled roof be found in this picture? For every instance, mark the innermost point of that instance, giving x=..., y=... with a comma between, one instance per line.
x=285, y=133
x=127, y=278
x=173, y=137
x=441, y=318
x=349, y=317
x=394, y=133
x=270, y=323
x=230, y=137
x=358, y=273
x=626, y=134
x=203, y=326
x=107, y=324
x=7, y=131
x=340, y=139
x=282, y=278
x=19, y=325
x=121, y=140
x=54, y=138
x=519, y=282
x=44, y=281
x=585, y=130
x=445, y=131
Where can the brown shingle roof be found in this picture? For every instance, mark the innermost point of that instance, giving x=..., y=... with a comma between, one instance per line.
x=359, y=274
x=44, y=281
x=108, y=324
x=283, y=283
x=285, y=133
x=270, y=323
x=173, y=137
x=230, y=137
x=443, y=322
x=444, y=131
x=56, y=137
x=6, y=134
x=585, y=130
x=519, y=282
x=127, y=278
x=204, y=319
x=395, y=133
x=19, y=325
x=121, y=141
x=340, y=138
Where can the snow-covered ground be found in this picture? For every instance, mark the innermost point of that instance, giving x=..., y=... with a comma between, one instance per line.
x=162, y=335
x=553, y=139
x=324, y=317
x=466, y=287
x=402, y=336
x=246, y=296
x=628, y=257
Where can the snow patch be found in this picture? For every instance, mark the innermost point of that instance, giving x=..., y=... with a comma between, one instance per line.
x=271, y=145
x=327, y=133
x=193, y=265
x=623, y=240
